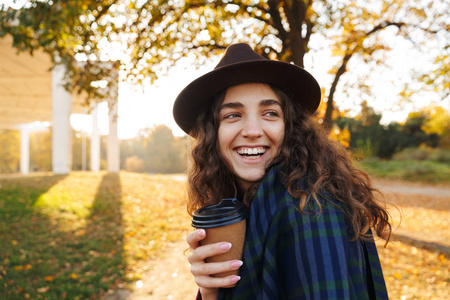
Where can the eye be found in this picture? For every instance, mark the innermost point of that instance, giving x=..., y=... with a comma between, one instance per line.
x=231, y=116
x=271, y=113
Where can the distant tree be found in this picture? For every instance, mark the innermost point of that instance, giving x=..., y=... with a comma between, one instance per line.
x=365, y=130
x=162, y=154
x=41, y=151
x=369, y=138
x=414, y=129
x=9, y=151
x=391, y=141
x=438, y=123
x=134, y=164
x=130, y=148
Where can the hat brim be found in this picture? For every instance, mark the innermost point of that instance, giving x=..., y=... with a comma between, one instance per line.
x=199, y=93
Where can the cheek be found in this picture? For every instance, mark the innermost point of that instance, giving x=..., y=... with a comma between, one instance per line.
x=278, y=134
x=223, y=144
x=222, y=139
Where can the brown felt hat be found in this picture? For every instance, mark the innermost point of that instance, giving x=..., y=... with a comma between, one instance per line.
x=240, y=64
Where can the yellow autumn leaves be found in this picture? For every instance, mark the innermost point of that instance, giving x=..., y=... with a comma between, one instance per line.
x=23, y=268
x=51, y=278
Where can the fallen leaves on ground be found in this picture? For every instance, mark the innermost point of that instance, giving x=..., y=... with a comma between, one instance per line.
x=412, y=272
x=84, y=234
x=80, y=235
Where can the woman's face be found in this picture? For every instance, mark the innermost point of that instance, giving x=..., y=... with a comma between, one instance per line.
x=251, y=130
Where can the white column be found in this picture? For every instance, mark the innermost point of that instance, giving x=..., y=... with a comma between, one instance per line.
x=95, y=140
x=24, y=151
x=113, y=154
x=83, y=150
x=61, y=133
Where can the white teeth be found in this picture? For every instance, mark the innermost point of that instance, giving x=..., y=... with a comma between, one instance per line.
x=251, y=151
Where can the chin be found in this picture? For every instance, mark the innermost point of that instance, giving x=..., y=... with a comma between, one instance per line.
x=250, y=179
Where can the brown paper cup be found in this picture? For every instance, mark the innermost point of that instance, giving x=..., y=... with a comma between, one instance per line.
x=223, y=222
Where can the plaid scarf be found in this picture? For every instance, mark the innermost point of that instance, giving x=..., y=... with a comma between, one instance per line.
x=293, y=255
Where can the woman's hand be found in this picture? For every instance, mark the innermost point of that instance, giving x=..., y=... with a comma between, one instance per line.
x=209, y=286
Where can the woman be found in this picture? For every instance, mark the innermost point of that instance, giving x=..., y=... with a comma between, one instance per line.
x=310, y=211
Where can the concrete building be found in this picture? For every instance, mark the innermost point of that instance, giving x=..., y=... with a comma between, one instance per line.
x=30, y=92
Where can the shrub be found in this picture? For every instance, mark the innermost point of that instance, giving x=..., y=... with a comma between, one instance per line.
x=440, y=155
x=413, y=154
x=412, y=170
x=423, y=153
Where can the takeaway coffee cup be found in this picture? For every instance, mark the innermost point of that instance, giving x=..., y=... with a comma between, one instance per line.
x=223, y=222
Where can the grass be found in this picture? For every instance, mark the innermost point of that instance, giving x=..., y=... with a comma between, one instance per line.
x=84, y=234
x=80, y=235
x=409, y=170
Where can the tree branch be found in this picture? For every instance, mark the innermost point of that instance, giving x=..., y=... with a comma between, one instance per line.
x=385, y=25
x=328, y=121
x=104, y=10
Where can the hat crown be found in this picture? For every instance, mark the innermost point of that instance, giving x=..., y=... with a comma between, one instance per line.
x=238, y=53
x=239, y=65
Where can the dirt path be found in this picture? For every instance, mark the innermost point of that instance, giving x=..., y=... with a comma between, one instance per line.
x=169, y=277
x=412, y=188
x=422, y=213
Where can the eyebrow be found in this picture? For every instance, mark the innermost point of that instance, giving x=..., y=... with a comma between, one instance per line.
x=231, y=105
x=265, y=102
x=269, y=102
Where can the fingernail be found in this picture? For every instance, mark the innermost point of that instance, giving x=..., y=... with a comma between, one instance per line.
x=225, y=246
x=235, y=279
x=201, y=232
x=236, y=264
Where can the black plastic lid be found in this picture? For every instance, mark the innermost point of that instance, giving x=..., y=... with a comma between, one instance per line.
x=227, y=212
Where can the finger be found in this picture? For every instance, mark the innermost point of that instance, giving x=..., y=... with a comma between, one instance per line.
x=216, y=282
x=202, y=269
x=203, y=252
x=195, y=237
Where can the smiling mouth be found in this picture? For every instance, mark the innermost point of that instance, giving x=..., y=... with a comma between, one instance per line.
x=251, y=153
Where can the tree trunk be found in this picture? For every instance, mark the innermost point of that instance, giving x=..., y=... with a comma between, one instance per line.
x=298, y=50
x=328, y=120
x=295, y=12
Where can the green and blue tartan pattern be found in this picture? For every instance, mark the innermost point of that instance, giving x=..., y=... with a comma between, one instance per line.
x=293, y=255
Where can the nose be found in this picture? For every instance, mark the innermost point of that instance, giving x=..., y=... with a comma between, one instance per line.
x=252, y=129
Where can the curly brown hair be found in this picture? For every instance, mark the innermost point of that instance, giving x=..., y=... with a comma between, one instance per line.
x=306, y=154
